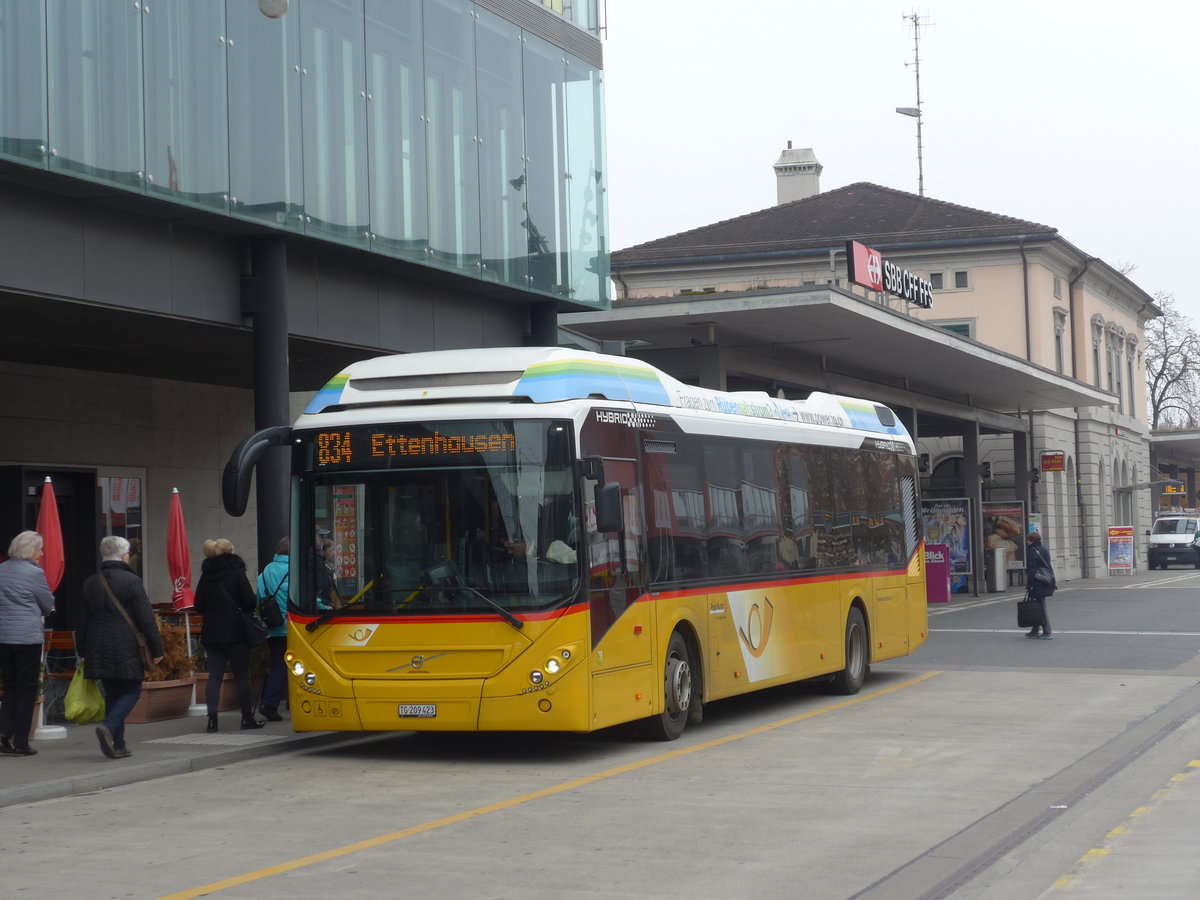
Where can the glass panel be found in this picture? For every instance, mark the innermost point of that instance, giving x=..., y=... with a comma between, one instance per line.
x=95, y=88
x=121, y=513
x=477, y=517
x=545, y=142
x=452, y=136
x=265, y=164
x=396, y=129
x=335, y=122
x=23, y=74
x=187, y=148
x=587, y=259
x=502, y=144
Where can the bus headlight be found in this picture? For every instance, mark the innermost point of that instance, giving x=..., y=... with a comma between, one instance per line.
x=536, y=676
x=552, y=666
x=297, y=668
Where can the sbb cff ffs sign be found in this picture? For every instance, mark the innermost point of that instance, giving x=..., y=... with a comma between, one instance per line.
x=869, y=269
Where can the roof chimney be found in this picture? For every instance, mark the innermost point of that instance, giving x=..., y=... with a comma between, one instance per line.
x=797, y=174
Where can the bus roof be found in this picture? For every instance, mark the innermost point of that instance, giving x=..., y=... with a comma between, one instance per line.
x=552, y=374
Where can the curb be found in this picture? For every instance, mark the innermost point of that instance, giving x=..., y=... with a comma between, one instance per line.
x=72, y=785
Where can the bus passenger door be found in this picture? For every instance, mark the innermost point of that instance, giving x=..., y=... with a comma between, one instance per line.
x=621, y=628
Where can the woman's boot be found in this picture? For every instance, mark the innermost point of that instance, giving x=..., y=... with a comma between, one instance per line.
x=271, y=713
x=212, y=724
x=248, y=721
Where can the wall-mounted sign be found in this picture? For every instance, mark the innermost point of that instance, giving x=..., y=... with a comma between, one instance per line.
x=1054, y=462
x=868, y=268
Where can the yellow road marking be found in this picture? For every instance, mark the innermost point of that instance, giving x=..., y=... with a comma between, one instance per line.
x=1119, y=830
x=1140, y=811
x=393, y=836
x=1092, y=854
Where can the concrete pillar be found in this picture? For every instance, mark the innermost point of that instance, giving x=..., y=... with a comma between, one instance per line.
x=264, y=299
x=1021, y=480
x=543, y=325
x=974, y=492
x=711, y=367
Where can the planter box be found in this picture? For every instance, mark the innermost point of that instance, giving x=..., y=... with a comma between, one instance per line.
x=162, y=700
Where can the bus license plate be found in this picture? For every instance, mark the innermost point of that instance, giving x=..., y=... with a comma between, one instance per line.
x=418, y=710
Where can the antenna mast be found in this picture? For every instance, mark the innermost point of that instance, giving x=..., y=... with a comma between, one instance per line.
x=918, y=22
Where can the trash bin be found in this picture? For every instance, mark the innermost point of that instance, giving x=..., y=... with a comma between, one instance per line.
x=995, y=567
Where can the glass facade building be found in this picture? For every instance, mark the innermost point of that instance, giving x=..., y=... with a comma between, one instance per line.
x=464, y=136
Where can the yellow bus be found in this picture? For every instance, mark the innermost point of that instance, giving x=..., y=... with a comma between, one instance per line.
x=545, y=539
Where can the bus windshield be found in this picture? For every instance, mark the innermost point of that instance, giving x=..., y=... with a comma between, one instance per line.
x=446, y=517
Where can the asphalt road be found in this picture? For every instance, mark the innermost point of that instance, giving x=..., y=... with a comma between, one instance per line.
x=986, y=765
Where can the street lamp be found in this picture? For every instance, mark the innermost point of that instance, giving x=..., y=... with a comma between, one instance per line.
x=915, y=112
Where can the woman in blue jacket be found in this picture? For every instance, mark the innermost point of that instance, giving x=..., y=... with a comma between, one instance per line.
x=273, y=587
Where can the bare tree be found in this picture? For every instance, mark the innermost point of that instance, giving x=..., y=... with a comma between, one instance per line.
x=1172, y=356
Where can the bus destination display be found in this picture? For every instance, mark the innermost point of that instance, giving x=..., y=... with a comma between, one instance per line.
x=372, y=447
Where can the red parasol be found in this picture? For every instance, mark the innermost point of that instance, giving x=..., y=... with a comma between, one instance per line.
x=179, y=563
x=54, y=561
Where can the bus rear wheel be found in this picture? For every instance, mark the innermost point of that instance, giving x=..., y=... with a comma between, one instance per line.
x=677, y=693
x=850, y=679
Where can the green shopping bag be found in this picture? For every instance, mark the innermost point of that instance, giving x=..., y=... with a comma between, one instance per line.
x=85, y=702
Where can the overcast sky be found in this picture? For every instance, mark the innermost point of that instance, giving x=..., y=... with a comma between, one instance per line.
x=1078, y=115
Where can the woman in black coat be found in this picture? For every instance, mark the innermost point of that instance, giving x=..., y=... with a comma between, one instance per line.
x=1038, y=560
x=107, y=645
x=223, y=593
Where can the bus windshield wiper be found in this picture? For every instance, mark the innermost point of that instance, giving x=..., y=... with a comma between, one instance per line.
x=333, y=611
x=508, y=617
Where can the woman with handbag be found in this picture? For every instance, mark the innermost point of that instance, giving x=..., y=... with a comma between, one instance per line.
x=1039, y=582
x=272, y=598
x=118, y=637
x=225, y=601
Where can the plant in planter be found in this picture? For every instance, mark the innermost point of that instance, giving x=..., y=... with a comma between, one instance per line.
x=167, y=691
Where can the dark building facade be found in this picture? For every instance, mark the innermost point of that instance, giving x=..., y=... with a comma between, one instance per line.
x=206, y=211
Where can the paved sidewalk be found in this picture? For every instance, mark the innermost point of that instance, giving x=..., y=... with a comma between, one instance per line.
x=75, y=765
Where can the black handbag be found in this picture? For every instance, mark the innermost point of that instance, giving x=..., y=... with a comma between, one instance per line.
x=1031, y=613
x=255, y=628
x=268, y=607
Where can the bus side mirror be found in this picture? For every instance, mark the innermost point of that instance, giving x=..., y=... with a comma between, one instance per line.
x=608, y=508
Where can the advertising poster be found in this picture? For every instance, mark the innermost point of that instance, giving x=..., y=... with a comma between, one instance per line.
x=948, y=522
x=1120, y=547
x=1004, y=529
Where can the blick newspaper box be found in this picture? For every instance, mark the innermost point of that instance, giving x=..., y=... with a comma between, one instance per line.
x=937, y=573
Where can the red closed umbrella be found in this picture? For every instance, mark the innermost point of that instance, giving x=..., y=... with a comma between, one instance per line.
x=179, y=563
x=54, y=561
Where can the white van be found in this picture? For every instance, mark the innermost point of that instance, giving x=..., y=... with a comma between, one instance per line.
x=1173, y=540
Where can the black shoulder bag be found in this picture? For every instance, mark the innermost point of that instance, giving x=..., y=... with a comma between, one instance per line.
x=268, y=607
x=143, y=647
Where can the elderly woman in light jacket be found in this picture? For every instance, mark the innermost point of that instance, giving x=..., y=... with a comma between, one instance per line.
x=24, y=599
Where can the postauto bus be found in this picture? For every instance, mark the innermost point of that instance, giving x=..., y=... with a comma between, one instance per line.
x=554, y=540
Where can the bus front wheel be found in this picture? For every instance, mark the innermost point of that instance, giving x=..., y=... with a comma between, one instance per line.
x=677, y=692
x=850, y=679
